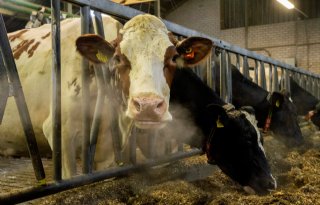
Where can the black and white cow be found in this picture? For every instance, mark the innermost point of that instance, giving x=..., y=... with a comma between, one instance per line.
x=307, y=105
x=230, y=137
x=273, y=110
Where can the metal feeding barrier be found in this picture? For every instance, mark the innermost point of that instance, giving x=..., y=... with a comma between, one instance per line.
x=227, y=52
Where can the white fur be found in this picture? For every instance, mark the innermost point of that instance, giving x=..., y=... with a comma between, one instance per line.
x=145, y=40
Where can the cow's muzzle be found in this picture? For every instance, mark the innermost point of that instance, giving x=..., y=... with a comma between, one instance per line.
x=148, y=112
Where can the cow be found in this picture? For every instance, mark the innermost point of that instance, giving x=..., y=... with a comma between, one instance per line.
x=273, y=110
x=229, y=137
x=141, y=56
x=307, y=105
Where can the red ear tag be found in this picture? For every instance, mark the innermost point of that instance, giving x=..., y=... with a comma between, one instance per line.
x=189, y=55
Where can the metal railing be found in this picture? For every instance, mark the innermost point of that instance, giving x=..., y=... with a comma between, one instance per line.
x=227, y=52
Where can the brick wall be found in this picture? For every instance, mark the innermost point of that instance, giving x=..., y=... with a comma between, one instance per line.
x=299, y=40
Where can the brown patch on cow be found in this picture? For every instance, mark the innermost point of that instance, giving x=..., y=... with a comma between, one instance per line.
x=21, y=47
x=33, y=48
x=46, y=36
x=13, y=37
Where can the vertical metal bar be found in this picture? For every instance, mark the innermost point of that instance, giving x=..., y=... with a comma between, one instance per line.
x=318, y=89
x=229, y=79
x=96, y=121
x=223, y=65
x=209, y=72
x=85, y=21
x=56, y=88
x=151, y=144
x=157, y=8
x=245, y=67
x=4, y=87
x=282, y=86
x=287, y=81
x=262, y=73
x=270, y=78
x=256, y=71
x=213, y=72
x=238, y=61
x=99, y=23
x=275, y=83
x=21, y=103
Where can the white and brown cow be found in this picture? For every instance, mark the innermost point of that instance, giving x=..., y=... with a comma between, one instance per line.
x=141, y=57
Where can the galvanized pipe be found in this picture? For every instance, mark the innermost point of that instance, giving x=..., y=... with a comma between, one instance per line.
x=37, y=192
x=85, y=21
x=275, y=82
x=56, y=89
x=4, y=87
x=270, y=77
x=228, y=79
x=13, y=76
x=223, y=68
x=262, y=73
x=245, y=68
x=96, y=121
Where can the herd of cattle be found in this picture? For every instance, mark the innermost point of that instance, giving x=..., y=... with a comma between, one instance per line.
x=150, y=69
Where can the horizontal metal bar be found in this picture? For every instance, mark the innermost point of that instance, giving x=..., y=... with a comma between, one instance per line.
x=41, y=191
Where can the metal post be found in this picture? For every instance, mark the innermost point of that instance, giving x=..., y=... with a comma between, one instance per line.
x=275, y=83
x=262, y=73
x=229, y=79
x=4, y=87
x=270, y=78
x=56, y=89
x=245, y=71
x=85, y=21
x=223, y=65
x=238, y=61
x=287, y=81
x=209, y=72
x=157, y=8
x=256, y=72
x=133, y=146
x=13, y=75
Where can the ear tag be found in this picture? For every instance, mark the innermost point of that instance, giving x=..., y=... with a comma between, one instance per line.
x=219, y=123
x=101, y=57
x=189, y=55
x=277, y=103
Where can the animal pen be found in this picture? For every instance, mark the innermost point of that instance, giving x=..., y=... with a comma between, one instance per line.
x=10, y=87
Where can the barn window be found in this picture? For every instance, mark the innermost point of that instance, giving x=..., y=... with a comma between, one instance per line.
x=259, y=12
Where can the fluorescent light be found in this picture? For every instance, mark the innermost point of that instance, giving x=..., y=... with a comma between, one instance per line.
x=286, y=3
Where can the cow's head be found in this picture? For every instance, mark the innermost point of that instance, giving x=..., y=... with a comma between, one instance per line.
x=314, y=115
x=236, y=147
x=284, y=120
x=143, y=59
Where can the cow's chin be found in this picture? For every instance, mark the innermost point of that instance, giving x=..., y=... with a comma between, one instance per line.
x=149, y=124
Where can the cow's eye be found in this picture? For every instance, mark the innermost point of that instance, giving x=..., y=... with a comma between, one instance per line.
x=175, y=57
x=188, y=50
x=116, y=59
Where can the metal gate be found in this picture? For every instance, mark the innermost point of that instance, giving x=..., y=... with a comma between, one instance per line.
x=227, y=54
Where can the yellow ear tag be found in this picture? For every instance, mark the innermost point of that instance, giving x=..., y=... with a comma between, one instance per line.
x=277, y=103
x=219, y=123
x=101, y=57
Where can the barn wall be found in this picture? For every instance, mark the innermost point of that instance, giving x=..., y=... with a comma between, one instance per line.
x=299, y=40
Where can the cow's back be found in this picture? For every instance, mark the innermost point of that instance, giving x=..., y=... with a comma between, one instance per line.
x=33, y=56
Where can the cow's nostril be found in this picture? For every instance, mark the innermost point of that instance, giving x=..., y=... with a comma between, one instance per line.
x=160, y=104
x=137, y=105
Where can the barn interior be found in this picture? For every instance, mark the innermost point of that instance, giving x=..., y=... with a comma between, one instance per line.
x=269, y=41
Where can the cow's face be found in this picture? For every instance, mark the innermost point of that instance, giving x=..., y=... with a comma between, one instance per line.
x=284, y=121
x=143, y=59
x=236, y=147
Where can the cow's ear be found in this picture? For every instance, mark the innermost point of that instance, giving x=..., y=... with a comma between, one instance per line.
x=94, y=48
x=219, y=115
x=193, y=50
x=277, y=99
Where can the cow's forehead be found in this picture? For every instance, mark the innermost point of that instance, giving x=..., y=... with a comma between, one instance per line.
x=144, y=35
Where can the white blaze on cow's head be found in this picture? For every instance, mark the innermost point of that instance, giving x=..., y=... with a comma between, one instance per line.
x=143, y=59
